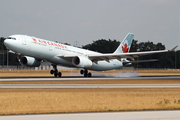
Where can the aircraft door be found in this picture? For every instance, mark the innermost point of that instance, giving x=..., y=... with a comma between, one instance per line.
x=23, y=40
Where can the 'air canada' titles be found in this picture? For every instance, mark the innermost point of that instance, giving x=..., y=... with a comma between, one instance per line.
x=49, y=43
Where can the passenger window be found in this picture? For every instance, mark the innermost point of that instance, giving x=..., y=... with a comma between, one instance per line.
x=11, y=38
x=8, y=38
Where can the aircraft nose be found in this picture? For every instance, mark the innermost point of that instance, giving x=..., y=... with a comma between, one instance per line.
x=7, y=43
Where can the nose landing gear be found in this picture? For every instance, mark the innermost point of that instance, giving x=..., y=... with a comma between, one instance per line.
x=85, y=72
x=55, y=71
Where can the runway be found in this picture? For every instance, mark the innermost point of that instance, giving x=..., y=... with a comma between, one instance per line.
x=75, y=78
x=83, y=86
x=138, y=115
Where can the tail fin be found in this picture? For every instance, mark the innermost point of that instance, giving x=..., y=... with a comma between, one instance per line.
x=125, y=45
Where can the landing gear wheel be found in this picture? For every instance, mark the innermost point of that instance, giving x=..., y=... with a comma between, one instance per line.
x=55, y=71
x=82, y=72
x=52, y=71
x=89, y=74
x=59, y=74
x=85, y=72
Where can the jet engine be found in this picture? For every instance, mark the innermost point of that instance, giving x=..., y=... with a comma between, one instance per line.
x=30, y=61
x=81, y=61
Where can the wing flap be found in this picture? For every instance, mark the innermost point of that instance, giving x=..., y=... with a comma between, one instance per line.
x=141, y=61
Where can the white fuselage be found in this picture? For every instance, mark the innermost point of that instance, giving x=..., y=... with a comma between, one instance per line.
x=47, y=50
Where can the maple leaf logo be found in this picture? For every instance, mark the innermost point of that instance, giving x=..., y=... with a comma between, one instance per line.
x=125, y=49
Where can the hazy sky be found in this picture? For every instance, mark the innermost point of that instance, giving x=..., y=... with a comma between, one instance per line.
x=85, y=21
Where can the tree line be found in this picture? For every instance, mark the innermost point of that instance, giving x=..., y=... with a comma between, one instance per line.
x=165, y=60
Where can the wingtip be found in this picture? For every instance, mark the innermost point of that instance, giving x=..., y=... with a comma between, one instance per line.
x=174, y=48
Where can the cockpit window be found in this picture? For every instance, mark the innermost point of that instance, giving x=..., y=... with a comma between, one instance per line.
x=11, y=38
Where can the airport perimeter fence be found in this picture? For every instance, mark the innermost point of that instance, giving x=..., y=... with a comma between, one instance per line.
x=42, y=67
x=49, y=67
x=16, y=68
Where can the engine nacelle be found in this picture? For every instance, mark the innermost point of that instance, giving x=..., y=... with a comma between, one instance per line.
x=30, y=61
x=81, y=61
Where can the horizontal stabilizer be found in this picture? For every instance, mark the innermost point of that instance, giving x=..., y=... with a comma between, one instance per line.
x=140, y=61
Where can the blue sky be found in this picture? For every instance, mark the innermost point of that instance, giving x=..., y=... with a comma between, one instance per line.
x=85, y=21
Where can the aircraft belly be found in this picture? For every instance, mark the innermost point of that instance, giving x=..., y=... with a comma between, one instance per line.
x=60, y=61
x=103, y=66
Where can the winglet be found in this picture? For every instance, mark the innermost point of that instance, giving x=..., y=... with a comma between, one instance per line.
x=174, y=48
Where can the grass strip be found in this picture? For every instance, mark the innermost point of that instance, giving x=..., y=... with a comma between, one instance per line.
x=34, y=101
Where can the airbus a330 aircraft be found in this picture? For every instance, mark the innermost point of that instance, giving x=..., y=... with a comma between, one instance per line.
x=32, y=51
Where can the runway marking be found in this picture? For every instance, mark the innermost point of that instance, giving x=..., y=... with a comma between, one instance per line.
x=92, y=78
x=79, y=86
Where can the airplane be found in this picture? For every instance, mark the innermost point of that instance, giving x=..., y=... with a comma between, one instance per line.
x=31, y=51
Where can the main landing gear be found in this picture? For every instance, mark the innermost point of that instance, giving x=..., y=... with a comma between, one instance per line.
x=85, y=72
x=55, y=71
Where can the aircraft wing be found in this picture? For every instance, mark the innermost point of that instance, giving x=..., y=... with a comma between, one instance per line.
x=107, y=57
x=118, y=56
